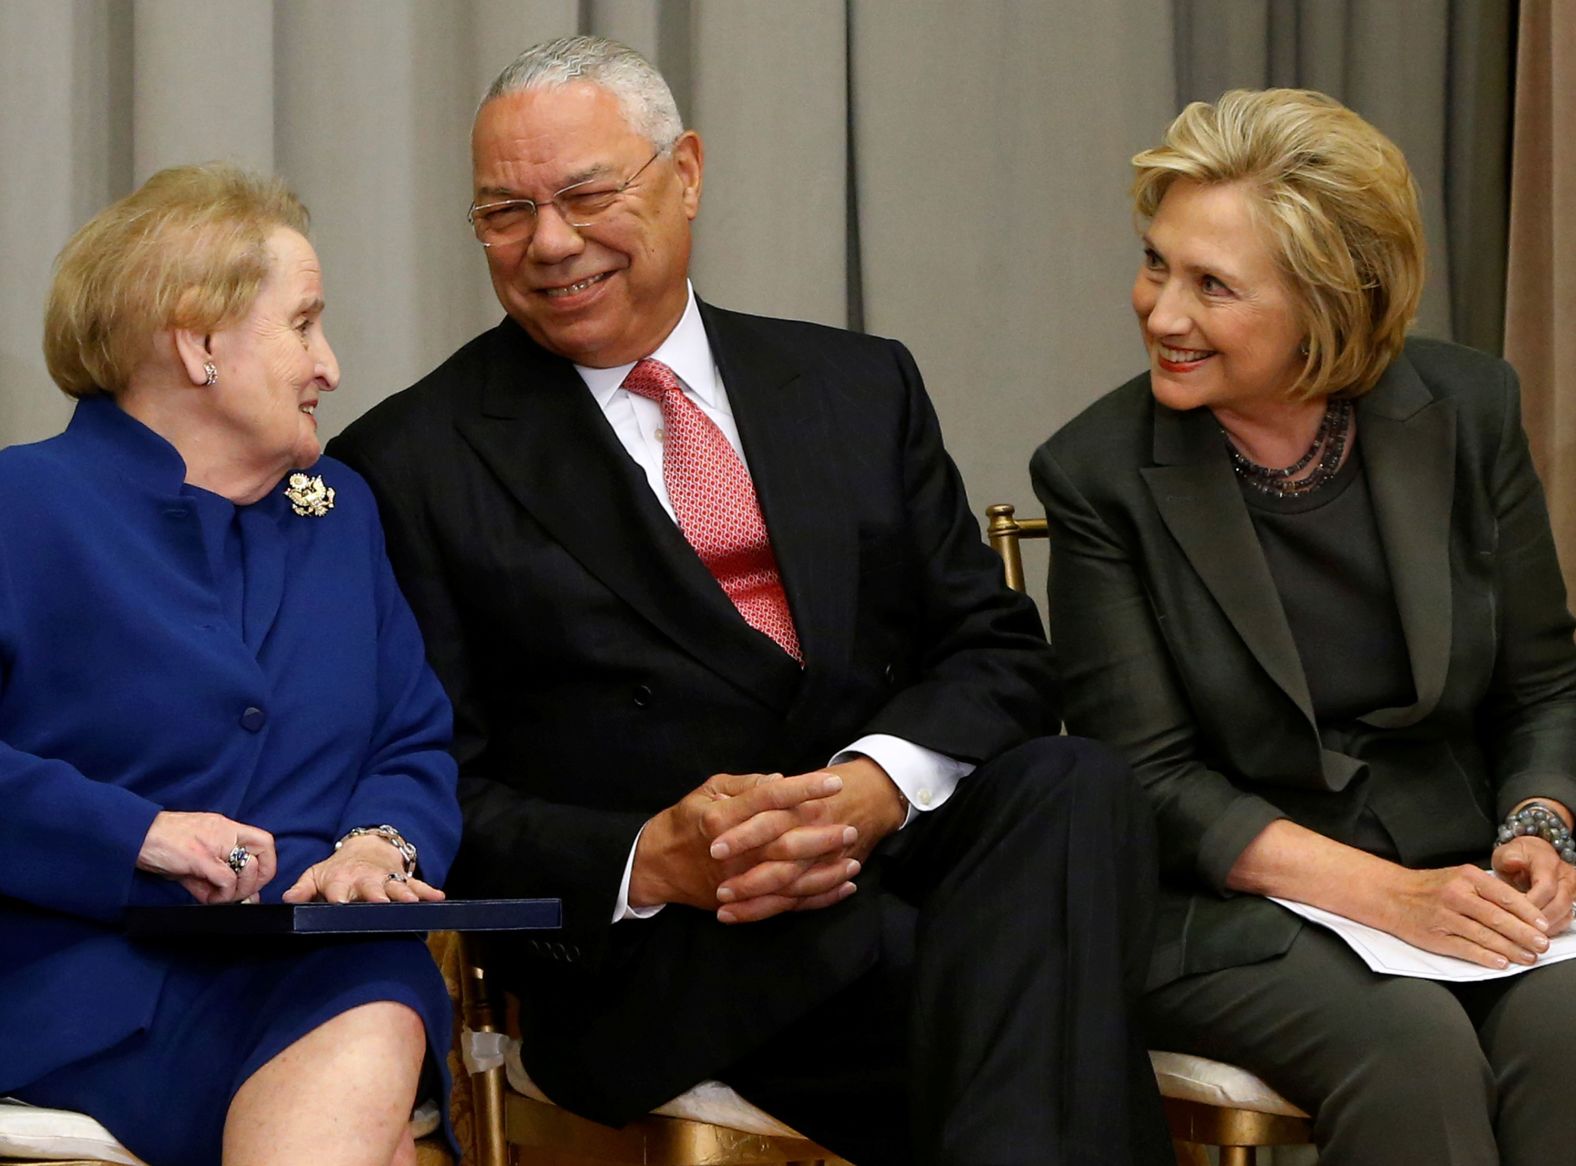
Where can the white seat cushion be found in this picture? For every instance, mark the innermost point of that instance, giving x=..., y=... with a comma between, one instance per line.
x=1189, y=1078
x=59, y=1135
x=1179, y=1075
x=56, y=1135
x=711, y=1102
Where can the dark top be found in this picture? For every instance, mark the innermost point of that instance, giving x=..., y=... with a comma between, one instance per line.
x=1325, y=555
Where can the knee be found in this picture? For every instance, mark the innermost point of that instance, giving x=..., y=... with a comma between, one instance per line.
x=1079, y=781
x=1414, y=1049
x=408, y=1030
x=405, y=1152
x=1529, y=1032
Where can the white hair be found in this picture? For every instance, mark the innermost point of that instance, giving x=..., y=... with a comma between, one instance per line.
x=643, y=95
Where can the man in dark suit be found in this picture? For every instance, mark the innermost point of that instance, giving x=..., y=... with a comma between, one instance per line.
x=664, y=555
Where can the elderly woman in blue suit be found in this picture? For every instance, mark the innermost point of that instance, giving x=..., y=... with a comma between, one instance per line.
x=212, y=690
x=1304, y=580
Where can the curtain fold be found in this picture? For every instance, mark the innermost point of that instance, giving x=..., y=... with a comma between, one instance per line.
x=1541, y=297
x=951, y=175
x=1432, y=74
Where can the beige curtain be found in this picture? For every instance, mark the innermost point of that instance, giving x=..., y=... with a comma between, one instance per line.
x=1541, y=298
x=1432, y=74
x=949, y=174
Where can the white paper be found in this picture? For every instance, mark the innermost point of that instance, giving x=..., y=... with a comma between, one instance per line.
x=1384, y=953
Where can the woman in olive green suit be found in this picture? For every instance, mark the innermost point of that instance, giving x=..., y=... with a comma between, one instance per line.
x=1304, y=580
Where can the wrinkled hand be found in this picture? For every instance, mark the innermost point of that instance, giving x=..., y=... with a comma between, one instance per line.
x=359, y=872
x=1467, y=912
x=1533, y=867
x=779, y=877
x=678, y=859
x=194, y=850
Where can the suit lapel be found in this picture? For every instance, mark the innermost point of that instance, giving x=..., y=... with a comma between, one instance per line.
x=1409, y=455
x=784, y=427
x=1201, y=504
x=539, y=430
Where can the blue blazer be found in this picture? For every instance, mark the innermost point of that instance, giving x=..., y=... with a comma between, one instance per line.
x=162, y=649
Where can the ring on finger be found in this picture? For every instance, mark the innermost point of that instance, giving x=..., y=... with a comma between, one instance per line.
x=238, y=858
x=396, y=876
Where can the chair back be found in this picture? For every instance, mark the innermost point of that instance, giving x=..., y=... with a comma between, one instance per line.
x=1004, y=530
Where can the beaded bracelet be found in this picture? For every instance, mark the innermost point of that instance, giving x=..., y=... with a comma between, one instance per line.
x=1536, y=819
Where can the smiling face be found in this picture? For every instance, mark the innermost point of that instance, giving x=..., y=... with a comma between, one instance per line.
x=1220, y=323
x=605, y=294
x=273, y=364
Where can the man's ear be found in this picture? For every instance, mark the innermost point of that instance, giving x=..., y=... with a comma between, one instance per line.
x=194, y=350
x=689, y=160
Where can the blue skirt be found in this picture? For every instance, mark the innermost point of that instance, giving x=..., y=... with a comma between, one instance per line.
x=165, y=1092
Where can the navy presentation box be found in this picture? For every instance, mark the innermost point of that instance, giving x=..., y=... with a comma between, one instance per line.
x=194, y=919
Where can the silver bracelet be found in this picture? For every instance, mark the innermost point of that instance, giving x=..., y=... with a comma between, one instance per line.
x=393, y=837
x=1537, y=820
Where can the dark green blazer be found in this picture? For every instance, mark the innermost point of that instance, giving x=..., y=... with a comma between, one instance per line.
x=1176, y=650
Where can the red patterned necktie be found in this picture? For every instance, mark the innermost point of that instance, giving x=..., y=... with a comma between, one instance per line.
x=714, y=500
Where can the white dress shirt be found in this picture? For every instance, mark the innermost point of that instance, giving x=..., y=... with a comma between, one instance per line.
x=926, y=778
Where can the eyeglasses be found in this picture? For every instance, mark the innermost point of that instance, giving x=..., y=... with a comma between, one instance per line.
x=513, y=220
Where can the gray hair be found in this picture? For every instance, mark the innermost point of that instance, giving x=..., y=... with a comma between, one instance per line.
x=643, y=95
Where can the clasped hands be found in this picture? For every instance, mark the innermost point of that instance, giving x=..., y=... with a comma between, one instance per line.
x=192, y=849
x=750, y=846
x=1467, y=912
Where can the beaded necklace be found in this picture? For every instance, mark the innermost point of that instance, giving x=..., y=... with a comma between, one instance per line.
x=1329, y=443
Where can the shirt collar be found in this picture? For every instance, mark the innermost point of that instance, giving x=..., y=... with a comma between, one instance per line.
x=686, y=351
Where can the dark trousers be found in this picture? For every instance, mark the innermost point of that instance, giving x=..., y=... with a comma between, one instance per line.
x=1397, y=1071
x=994, y=1026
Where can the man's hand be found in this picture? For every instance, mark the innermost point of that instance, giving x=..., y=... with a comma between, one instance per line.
x=677, y=861
x=777, y=867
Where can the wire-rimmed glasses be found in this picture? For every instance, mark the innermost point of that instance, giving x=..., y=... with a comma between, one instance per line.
x=513, y=220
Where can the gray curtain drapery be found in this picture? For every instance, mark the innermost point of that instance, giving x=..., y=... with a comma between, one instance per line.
x=1542, y=294
x=1434, y=75
x=953, y=175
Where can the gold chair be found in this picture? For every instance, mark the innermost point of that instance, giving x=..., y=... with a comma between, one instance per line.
x=498, y=1125
x=1208, y=1103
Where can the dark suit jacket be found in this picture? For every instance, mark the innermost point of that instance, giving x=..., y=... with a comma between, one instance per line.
x=1176, y=650
x=599, y=673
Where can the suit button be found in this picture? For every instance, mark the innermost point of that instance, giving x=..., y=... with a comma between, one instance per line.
x=253, y=719
x=642, y=695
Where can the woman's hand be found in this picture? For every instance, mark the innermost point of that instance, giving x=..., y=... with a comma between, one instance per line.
x=1533, y=867
x=194, y=850
x=365, y=869
x=1465, y=911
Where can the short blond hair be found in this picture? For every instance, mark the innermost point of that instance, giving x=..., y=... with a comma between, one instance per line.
x=1338, y=205
x=188, y=249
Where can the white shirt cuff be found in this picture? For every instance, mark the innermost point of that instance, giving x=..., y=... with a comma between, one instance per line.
x=923, y=776
x=621, y=908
